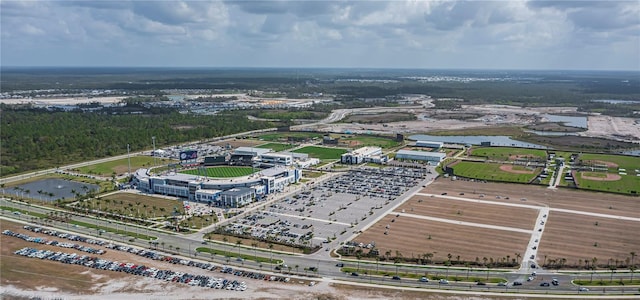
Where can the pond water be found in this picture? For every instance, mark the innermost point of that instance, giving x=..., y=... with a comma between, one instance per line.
x=58, y=187
x=580, y=122
x=495, y=140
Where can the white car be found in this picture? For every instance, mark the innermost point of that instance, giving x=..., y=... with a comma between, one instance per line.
x=444, y=281
x=584, y=289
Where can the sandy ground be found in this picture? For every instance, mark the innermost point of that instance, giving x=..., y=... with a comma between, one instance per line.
x=626, y=129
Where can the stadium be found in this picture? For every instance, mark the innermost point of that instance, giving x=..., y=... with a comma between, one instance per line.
x=194, y=184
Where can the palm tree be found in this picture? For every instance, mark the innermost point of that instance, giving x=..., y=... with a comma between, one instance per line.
x=271, y=258
x=238, y=243
x=296, y=266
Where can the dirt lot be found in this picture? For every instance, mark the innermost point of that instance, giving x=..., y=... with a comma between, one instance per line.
x=540, y=195
x=410, y=236
x=238, y=143
x=573, y=237
x=523, y=218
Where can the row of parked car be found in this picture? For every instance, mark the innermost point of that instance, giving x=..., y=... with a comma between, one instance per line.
x=44, y=241
x=130, y=268
x=64, y=235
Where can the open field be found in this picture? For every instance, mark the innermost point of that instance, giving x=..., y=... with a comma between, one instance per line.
x=363, y=141
x=562, y=198
x=577, y=237
x=276, y=147
x=322, y=152
x=130, y=203
x=493, y=172
x=385, y=117
x=222, y=172
x=466, y=241
x=285, y=136
x=508, y=153
x=121, y=166
x=235, y=143
x=499, y=215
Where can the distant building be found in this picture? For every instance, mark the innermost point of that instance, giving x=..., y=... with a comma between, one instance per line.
x=250, y=151
x=429, y=144
x=276, y=159
x=435, y=157
x=359, y=156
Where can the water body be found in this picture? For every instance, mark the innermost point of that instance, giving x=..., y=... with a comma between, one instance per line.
x=580, y=122
x=615, y=101
x=58, y=187
x=631, y=152
x=551, y=133
x=496, y=140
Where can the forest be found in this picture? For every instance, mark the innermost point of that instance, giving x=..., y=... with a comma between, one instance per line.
x=37, y=138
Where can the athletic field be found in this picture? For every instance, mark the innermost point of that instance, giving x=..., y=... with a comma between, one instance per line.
x=222, y=172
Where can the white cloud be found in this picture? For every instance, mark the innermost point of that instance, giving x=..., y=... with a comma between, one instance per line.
x=501, y=34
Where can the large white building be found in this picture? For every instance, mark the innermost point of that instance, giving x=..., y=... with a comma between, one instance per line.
x=435, y=157
x=360, y=155
x=276, y=159
x=212, y=190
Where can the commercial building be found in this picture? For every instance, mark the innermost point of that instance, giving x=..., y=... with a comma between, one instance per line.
x=250, y=151
x=236, y=197
x=434, y=157
x=276, y=159
x=360, y=155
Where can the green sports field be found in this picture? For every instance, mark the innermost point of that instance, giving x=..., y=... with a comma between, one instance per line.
x=490, y=171
x=627, y=184
x=275, y=146
x=322, y=152
x=121, y=166
x=503, y=153
x=273, y=137
x=363, y=141
x=630, y=163
x=223, y=172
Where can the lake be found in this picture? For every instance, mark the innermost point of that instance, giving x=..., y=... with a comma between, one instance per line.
x=58, y=187
x=580, y=122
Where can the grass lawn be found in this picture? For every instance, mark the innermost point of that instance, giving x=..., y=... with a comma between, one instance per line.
x=277, y=147
x=503, y=153
x=433, y=275
x=222, y=172
x=127, y=203
x=121, y=166
x=489, y=171
x=625, y=185
x=322, y=152
x=273, y=137
x=630, y=163
x=363, y=141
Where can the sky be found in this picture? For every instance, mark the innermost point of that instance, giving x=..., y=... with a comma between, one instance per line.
x=510, y=34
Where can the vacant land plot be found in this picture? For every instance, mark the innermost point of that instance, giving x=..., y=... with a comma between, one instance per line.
x=571, y=199
x=415, y=237
x=508, y=153
x=235, y=143
x=578, y=237
x=363, y=141
x=121, y=166
x=130, y=203
x=493, y=172
x=322, y=152
x=386, y=117
x=500, y=215
x=275, y=146
x=222, y=172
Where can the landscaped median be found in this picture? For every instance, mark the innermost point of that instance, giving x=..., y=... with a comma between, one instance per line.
x=607, y=282
x=232, y=255
x=417, y=275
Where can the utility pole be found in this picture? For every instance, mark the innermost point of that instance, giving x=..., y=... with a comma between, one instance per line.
x=153, y=138
x=129, y=159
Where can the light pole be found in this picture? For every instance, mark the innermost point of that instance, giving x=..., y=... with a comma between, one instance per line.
x=153, y=139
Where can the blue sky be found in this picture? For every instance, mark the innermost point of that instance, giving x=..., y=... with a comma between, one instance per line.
x=517, y=34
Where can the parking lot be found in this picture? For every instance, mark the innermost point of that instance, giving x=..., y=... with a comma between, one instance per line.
x=329, y=210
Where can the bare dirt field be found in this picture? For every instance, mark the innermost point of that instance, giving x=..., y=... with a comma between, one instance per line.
x=499, y=215
x=574, y=237
x=28, y=278
x=563, y=198
x=410, y=236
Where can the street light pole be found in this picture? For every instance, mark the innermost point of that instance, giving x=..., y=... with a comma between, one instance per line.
x=153, y=138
